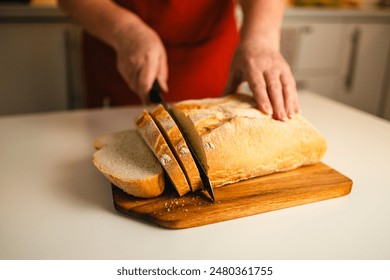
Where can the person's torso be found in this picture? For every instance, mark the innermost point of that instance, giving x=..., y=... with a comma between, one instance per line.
x=199, y=36
x=183, y=22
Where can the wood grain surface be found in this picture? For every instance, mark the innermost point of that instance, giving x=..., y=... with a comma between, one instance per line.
x=263, y=194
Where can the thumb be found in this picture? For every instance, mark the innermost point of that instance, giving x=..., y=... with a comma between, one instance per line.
x=232, y=84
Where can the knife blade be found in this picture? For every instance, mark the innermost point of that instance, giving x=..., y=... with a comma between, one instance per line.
x=156, y=97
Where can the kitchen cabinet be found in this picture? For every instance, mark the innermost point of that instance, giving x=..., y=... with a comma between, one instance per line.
x=313, y=53
x=386, y=107
x=340, y=54
x=39, y=64
x=364, y=65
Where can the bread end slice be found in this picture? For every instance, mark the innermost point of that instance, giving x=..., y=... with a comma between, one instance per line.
x=127, y=162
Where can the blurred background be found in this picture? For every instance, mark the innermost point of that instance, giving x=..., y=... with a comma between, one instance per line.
x=339, y=49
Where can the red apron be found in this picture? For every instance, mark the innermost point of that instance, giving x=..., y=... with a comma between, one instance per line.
x=199, y=36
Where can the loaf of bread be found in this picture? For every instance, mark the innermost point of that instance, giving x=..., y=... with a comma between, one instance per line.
x=235, y=141
x=159, y=146
x=128, y=163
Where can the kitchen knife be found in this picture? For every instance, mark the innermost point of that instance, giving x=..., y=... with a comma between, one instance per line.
x=156, y=97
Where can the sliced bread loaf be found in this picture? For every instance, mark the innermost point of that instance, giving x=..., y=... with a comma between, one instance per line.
x=127, y=162
x=235, y=141
x=178, y=146
x=157, y=143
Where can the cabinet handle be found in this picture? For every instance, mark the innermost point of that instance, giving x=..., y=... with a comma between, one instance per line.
x=68, y=66
x=301, y=84
x=72, y=44
x=355, y=40
x=307, y=29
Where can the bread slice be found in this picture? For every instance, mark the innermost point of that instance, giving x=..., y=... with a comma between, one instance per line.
x=155, y=140
x=235, y=141
x=178, y=146
x=127, y=162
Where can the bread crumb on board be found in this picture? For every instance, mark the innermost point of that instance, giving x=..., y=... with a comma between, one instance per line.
x=185, y=204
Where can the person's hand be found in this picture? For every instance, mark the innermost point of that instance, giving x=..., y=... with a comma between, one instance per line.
x=141, y=58
x=269, y=78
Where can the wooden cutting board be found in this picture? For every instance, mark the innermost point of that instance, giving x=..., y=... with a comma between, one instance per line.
x=263, y=194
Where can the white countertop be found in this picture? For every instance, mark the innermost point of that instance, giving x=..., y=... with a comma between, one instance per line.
x=54, y=204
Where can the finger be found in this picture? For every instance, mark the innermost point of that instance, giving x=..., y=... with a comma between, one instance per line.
x=258, y=86
x=146, y=77
x=275, y=93
x=162, y=73
x=233, y=82
x=129, y=75
x=290, y=95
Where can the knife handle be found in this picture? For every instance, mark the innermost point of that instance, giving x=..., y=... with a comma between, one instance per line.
x=154, y=93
